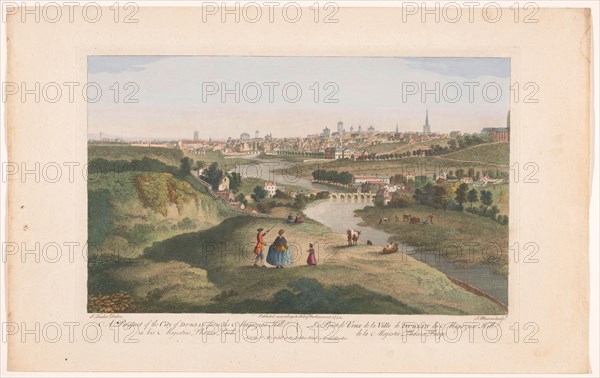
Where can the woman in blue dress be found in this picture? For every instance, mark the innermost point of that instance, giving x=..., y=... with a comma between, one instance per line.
x=279, y=252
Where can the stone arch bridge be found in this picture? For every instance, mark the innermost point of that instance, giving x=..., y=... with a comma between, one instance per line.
x=352, y=196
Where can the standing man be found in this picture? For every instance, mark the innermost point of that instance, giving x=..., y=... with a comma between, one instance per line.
x=258, y=249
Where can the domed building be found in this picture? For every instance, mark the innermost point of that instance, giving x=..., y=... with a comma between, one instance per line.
x=245, y=136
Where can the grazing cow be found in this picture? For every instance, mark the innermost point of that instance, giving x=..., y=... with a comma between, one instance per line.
x=415, y=220
x=430, y=217
x=391, y=248
x=406, y=217
x=355, y=236
x=425, y=221
x=369, y=242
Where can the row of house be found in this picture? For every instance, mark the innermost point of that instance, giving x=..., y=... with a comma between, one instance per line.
x=371, y=179
x=335, y=153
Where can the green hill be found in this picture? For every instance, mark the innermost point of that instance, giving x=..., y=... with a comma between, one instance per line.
x=492, y=153
x=211, y=271
x=170, y=156
x=127, y=211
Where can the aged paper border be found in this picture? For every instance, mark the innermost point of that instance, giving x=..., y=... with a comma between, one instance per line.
x=373, y=356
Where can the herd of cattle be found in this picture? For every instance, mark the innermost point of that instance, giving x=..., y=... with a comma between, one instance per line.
x=354, y=235
x=409, y=218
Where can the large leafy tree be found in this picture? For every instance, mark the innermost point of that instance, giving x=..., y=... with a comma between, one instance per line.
x=185, y=166
x=461, y=194
x=472, y=196
x=486, y=197
x=213, y=175
x=259, y=193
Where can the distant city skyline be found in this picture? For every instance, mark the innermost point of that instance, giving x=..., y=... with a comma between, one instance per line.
x=176, y=97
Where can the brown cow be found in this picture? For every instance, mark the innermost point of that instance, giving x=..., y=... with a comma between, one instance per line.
x=355, y=236
x=415, y=220
x=430, y=217
x=406, y=217
x=391, y=248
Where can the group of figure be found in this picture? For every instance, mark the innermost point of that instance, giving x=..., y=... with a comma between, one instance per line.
x=416, y=220
x=279, y=253
x=297, y=220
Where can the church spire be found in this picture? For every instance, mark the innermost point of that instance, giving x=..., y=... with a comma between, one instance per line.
x=426, y=128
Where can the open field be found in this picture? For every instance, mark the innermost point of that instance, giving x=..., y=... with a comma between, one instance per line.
x=487, y=238
x=415, y=146
x=385, y=147
x=500, y=194
x=493, y=153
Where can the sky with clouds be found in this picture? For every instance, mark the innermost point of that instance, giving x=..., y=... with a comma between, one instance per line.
x=293, y=96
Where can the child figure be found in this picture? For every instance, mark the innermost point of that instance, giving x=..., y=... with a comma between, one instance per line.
x=312, y=259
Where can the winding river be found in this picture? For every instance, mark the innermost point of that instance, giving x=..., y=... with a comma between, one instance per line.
x=339, y=216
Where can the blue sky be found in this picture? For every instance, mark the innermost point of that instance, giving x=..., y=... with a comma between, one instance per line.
x=369, y=91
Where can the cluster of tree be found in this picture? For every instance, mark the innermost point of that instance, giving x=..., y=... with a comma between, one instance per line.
x=235, y=180
x=497, y=174
x=389, y=156
x=300, y=153
x=241, y=197
x=489, y=212
x=470, y=140
x=344, y=177
x=444, y=197
x=145, y=164
x=213, y=175
x=280, y=194
x=398, y=200
x=259, y=193
x=283, y=199
x=432, y=195
x=487, y=209
x=301, y=200
x=460, y=173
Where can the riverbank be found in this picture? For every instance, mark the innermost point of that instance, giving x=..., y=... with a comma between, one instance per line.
x=458, y=237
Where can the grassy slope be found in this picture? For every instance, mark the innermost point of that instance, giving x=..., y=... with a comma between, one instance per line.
x=169, y=156
x=415, y=146
x=385, y=147
x=347, y=279
x=449, y=228
x=493, y=153
x=127, y=211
